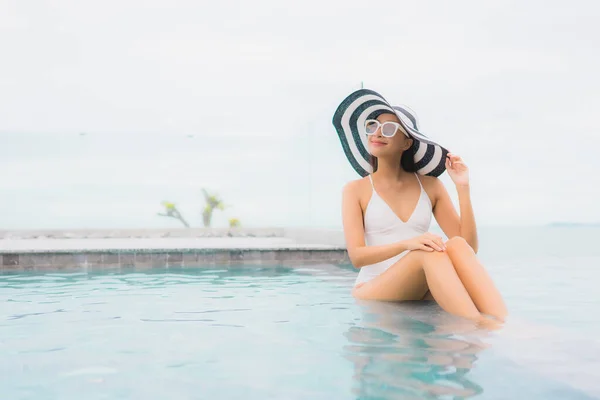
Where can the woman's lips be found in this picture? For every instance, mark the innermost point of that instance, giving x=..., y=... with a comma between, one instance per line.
x=378, y=144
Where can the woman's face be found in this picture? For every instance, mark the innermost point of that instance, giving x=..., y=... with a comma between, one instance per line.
x=382, y=146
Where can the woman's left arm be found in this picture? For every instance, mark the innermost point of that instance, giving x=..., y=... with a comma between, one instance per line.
x=468, y=228
x=451, y=223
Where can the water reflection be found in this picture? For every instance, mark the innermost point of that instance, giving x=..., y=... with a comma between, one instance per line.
x=413, y=351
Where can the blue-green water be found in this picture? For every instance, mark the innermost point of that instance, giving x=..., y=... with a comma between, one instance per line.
x=296, y=333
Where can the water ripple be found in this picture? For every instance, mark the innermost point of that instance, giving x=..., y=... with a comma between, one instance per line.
x=19, y=316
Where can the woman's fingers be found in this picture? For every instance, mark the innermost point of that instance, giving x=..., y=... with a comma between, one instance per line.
x=437, y=241
x=433, y=244
x=454, y=161
x=440, y=242
x=440, y=245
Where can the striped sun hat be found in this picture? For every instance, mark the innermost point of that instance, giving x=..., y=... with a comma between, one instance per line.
x=349, y=120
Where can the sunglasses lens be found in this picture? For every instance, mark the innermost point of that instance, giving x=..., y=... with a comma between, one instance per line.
x=371, y=127
x=388, y=129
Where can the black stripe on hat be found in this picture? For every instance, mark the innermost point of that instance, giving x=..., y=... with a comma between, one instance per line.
x=423, y=162
x=360, y=170
x=375, y=114
x=337, y=122
x=352, y=97
x=441, y=167
x=346, y=147
x=408, y=115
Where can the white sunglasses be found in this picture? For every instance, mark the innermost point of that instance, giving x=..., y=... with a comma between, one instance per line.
x=388, y=129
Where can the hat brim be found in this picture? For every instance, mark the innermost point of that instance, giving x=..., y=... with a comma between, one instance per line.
x=429, y=157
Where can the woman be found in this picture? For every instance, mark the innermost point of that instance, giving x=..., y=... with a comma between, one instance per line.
x=387, y=213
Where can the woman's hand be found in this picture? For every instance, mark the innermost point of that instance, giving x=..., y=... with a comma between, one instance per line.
x=457, y=169
x=426, y=242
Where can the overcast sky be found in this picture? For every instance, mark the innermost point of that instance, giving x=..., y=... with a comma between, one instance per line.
x=511, y=86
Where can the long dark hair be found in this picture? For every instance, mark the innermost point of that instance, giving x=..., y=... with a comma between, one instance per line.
x=407, y=161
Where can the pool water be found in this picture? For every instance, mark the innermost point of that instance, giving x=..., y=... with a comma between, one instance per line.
x=267, y=333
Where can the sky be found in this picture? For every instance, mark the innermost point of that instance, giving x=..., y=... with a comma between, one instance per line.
x=510, y=86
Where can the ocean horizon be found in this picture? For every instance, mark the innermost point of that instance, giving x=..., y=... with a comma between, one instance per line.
x=94, y=181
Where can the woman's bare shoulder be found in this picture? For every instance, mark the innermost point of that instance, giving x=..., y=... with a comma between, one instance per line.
x=356, y=188
x=432, y=186
x=430, y=182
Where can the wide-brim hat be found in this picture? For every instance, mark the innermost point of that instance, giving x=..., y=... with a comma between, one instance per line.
x=429, y=157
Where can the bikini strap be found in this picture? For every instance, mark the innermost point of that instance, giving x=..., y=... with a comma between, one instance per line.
x=420, y=184
x=371, y=179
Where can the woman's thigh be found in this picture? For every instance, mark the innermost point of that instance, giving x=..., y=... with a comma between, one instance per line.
x=404, y=280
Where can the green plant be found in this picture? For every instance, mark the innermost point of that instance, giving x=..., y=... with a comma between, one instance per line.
x=213, y=202
x=172, y=212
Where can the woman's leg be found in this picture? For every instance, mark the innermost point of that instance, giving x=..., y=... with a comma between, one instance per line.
x=413, y=274
x=475, y=279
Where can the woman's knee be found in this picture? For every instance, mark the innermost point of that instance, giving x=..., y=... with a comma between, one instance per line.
x=436, y=259
x=428, y=260
x=422, y=257
x=457, y=243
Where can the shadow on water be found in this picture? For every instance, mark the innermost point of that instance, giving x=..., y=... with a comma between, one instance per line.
x=409, y=351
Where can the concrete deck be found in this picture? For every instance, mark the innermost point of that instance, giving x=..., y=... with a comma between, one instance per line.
x=181, y=244
x=59, y=250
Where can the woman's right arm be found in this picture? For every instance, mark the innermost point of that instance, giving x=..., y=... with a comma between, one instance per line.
x=354, y=233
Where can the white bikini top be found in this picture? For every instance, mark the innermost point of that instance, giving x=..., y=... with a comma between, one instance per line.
x=383, y=226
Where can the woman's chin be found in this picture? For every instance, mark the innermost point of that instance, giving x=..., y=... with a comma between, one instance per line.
x=378, y=152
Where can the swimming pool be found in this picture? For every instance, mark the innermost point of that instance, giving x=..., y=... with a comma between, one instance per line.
x=270, y=333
